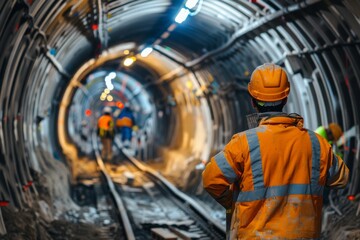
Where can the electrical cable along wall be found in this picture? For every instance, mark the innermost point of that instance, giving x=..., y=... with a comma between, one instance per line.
x=29, y=82
x=14, y=168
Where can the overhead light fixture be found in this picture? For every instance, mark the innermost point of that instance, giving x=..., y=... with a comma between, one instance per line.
x=108, y=79
x=165, y=35
x=171, y=27
x=144, y=53
x=110, y=86
x=112, y=75
x=109, y=98
x=129, y=61
x=158, y=41
x=191, y=3
x=182, y=15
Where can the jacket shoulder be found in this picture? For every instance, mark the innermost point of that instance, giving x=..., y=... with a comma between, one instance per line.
x=322, y=140
x=260, y=128
x=243, y=134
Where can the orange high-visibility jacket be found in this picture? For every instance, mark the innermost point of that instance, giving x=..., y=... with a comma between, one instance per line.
x=278, y=171
x=106, y=126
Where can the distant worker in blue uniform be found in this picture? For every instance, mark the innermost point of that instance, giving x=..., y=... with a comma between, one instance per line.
x=126, y=123
x=106, y=133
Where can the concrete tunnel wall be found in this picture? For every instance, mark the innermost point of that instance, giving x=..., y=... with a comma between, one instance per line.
x=44, y=47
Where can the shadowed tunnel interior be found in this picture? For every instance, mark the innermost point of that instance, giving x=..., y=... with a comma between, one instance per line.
x=189, y=95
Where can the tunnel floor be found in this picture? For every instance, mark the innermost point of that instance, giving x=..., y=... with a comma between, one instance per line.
x=89, y=219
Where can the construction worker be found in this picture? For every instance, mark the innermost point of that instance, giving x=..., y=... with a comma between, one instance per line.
x=332, y=133
x=106, y=133
x=126, y=123
x=272, y=176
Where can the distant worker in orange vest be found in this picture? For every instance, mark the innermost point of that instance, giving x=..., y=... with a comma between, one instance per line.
x=106, y=133
x=332, y=134
x=272, y=177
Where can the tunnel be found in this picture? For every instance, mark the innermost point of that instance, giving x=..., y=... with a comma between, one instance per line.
x=184, y=67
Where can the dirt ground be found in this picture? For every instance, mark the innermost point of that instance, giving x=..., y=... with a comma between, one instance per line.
x=45, y=220
x=27, y=225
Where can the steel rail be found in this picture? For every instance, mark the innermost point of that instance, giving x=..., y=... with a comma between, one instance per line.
x=195, y=206
x=118, y=201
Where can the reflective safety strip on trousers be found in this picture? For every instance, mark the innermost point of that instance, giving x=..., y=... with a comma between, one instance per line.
x=255, y=157
x=315, y=169
x=225, y=168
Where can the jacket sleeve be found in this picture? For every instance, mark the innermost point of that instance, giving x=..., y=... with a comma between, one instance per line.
x=338, y=173
x=220, y=173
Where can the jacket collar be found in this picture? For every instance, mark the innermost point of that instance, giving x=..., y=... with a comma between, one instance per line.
x=272, y=118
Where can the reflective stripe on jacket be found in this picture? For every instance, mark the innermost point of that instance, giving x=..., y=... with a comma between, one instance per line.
x=280, y=170
x=124, y=122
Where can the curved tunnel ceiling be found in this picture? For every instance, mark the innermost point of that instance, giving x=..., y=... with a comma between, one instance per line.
x=198, y=71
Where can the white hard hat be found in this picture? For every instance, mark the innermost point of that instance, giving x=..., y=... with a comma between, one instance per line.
x=107, y=110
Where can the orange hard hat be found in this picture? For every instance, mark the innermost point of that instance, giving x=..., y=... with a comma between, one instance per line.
x=336, y=130
x=269, y=83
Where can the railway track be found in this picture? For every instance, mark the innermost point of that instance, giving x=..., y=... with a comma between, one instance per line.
x=150, y=207
x=95, y=207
